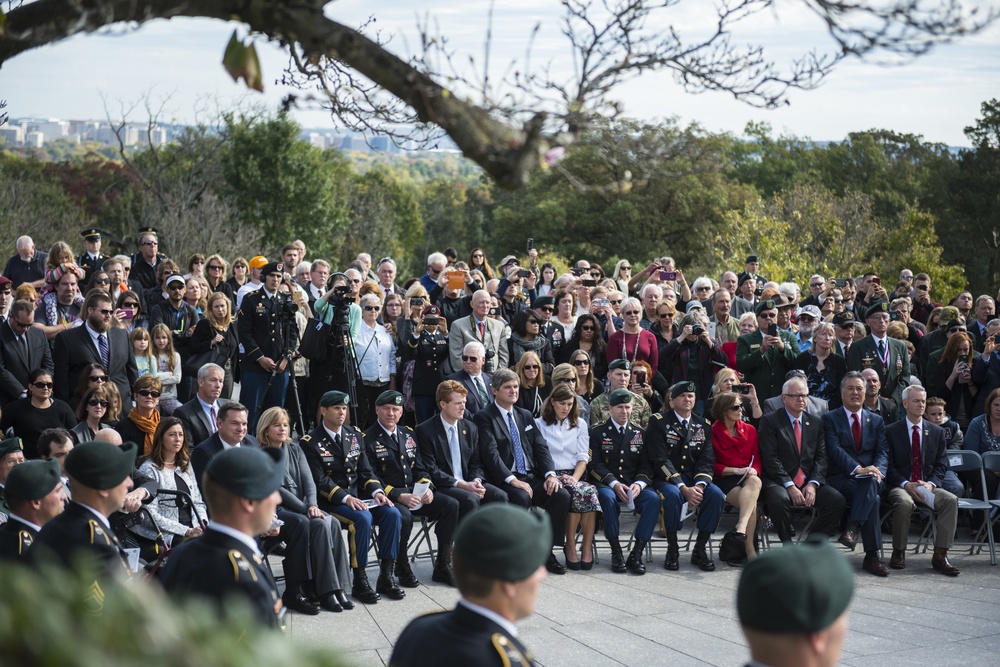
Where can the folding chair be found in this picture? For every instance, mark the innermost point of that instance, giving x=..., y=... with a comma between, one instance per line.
x=421, y=537
x=765, y=536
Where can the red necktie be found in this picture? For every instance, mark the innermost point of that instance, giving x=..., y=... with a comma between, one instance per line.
x=800, y=477
x=482, y=331
x=918, y=468
x=856, y=432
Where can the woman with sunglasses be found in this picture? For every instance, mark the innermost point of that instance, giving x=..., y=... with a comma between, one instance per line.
x=526, y=336
x=91, y=412
x=587, y=337
x=376, y=355
x=566, y=374
x=140, y=424
x=478, y=262
x=622, y=275
x=534, y=389
x=737, y=464
x=241, y=273
x=128, y=313
x=633, y=343
x=100, y=280
x=427, y=350
x=587, y=386
x=29, y=416
x=91, y=376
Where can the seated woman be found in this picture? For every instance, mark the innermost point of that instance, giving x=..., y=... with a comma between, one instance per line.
x=566, y=374
x=633, y=343
x=91, y=412
x=91, y=376
x=568, y=437
x=587, y=337
x=140, y=424
x=534, y=390
x=37, y=411
x=587, y=386
x=331, y=568
x=169, y=463
x=824, y=368
x=728, y=380
x=526, y=336
x=737, y=464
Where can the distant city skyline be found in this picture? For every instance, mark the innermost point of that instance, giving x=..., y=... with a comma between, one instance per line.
x=936, y=96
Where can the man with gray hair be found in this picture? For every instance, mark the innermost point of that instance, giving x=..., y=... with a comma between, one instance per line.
x=147, y=260
x=200, y=415
x=651, y=295
x=436, y=262
x=492, y=333
x=472, y=377
x=366, y=263
x=27, y=266
x=387, y=277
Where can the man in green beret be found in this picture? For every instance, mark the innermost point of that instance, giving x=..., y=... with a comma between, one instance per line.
x=792, y=603
x=619, y=374
x=34, y=493
x=765, y=355
x=241, y=489
x=11, y=454
x=499, y=561
x=887, y=356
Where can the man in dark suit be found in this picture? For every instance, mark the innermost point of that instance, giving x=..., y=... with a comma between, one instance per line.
x=793, y=456
x=887, y=356
x=858, y=455
x=917, y=463
x=200, y=415
x=765, y=355
x=23, y=348
x=875, y=403
x=95, y=342
x=477, y=383
x=517, y=458
x=455, y=468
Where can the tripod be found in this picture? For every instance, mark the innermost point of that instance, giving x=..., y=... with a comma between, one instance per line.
x=286, y=330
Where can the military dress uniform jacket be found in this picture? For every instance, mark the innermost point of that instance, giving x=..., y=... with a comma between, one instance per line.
x=16, y=538
x=618, y=457
x=90, y=265
x=339, y=471
x=895, y=376
x=674, y=452
x=766, y=371
x=396, y=461
x=220, y=567
x=260, y=331
x=429, y=354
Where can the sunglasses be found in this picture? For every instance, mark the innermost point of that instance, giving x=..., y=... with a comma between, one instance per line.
x=569, y=380
x=531, y=367
x=43, y=385
x=626, y=268
x=102, y=281
x=703, y=288
x=532, y=322
x=838, y=301
x=582, y=362
x=150, y=243
x=371, y=308
x=957, y=330
x=768, y=316
x=98, y=378
x=148, y=393
x=666, y=316
x=214, y=267
x=104, y=311
x=737, y=408
x=546, y=309
x=20, y=325
x=354, y=280
x=630, y=312
x=97, y=403
x=587, y=328
x=815, y=284
x=465, y=358
x=477, y=256
x=130, y=304
x=175, y=286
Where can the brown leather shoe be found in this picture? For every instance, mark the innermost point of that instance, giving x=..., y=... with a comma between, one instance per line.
x=940, y=563
x=848, y=539
x=874, y=565
x=898, y=560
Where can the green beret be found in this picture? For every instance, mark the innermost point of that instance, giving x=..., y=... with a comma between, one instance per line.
x=682, y=388
x=743, y=277
x=844, y=318
x=543, y=301
x=101, y=465
x=333, y=398
x=877, y=307
x=248, y=473
x=622, y=364
x=10, y=445
x=801, y=589
x=752, y=258
x=761, y=306
x=503, y=541
x=619, y=396
x=389, y=397
x=32, y=480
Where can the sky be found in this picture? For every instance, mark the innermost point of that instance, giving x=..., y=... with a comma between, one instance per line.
x=179, y=61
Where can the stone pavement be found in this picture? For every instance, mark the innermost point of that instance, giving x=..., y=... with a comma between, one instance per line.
x=688, y=618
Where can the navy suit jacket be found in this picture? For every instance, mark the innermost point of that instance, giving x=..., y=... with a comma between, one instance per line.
x=203, y=453
x=841, y=454
x=933, y=453
x=435, y=453
x=497, y=451
x=472, y=402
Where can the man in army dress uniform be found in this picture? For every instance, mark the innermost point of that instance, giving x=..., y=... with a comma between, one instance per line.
x=262, y=319
x=679, y=444
x=620, y=469
x=34, y=493
x=241, y=490
x=499, y=557
x=91, y=261
x=619, y=374
x=342, y=472
x=392, y=450
x=765, y=355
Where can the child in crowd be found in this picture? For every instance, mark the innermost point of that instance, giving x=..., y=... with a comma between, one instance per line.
x=935, y=413
x=168, y=367
x=145, y=360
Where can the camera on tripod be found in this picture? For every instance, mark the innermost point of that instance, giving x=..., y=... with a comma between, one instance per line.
x=286, y=306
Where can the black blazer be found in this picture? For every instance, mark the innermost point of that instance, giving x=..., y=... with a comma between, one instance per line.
x=780, y=457
x=435, y=454
x=472, y=402
x=203, y=453
x=933, y=454
x=74, y=349
x=15, y=367
x=497, y=450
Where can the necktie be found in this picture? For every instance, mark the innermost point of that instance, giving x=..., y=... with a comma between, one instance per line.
x=481, y=390
x=215, y=419
x=515, y=439
x=102, y=346
x=881, y=350
x=856, y=432
x=456, y=454
x=24, y=345
x=918, y=468
x=684, y=425
x=482, y=331
x=800, y=477
x=337, y=441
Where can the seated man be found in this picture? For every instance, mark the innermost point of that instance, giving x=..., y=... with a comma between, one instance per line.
x=341, y=470
x=241, y=490
x=679, y=445
x=793, y=455
x=517, y=456
x=858, y=455
x=620, y=469
x=392, y=450
x=917, y=463
x=34, y=493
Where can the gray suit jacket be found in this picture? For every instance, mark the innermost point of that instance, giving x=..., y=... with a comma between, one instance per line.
x=463, y=332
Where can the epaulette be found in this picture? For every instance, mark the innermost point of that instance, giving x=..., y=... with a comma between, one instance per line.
x=305, y=438
x=24, y=541
x=241, y=565
x=658, y=415
x=509, y=653
x=98, y=531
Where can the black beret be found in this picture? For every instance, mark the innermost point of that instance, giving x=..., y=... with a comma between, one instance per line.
x=619, y=396
x=333, y=398
x=768, y=304
x=10, y=445
x=504, y=541
x=683, y=388
x=752, y=258
x=543, y=301
x=101, y=465
x=32, y=480
x=389, y=397
x=801, y=589
x=877, y=307
x=272, y=267
x=846, y=317
x=620, y=364
x=248, y=473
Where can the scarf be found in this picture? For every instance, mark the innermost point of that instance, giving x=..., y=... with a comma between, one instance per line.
x=520, y=345
x=147, y=425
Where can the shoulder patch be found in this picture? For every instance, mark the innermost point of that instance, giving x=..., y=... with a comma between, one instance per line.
x=305, y=438
x=510, y=654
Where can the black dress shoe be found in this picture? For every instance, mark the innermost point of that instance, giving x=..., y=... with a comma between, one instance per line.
x=898, y=560
x=941, y=563
x=618, y=561
x=329, y=602
x=672, y=561
x=700, y=558
x=343, y=600
x=300, y=603
x=874, y=565
x=848, y=539
x=554, y=566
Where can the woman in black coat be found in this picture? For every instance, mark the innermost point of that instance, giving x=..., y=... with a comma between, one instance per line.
x=217, y=332
x=427, y=347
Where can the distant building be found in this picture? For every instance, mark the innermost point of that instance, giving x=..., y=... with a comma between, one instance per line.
x=12, y=136
x=34, y=139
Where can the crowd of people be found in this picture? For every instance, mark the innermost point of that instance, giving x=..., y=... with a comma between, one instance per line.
x=371, y=404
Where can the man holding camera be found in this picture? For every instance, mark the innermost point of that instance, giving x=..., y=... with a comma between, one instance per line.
x=267, y=332
x=490, y=333
x=922, y=304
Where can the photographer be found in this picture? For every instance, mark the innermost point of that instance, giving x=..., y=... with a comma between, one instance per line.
x=454, y=303
x=427, y=348
x=693, y=356
x=338, y=308
x=516, y=289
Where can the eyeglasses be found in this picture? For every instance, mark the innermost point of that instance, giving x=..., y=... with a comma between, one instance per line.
x=43, y=385
x=797, y=397
x=531, y=367
x=98, y=378
x=148, y=393
x=587, y=328
x=582, y=362
x=806, y=318
x=372, y=308
x=465, y=358
x=630, y=312
x=97, y=403
x=20, y=325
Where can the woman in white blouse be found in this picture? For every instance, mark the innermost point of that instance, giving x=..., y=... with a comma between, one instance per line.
x=376, y=355
x=569, y=442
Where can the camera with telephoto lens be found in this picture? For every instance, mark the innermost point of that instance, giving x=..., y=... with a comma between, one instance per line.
x=286, y=306
x=697, y=330
x=488, y=366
